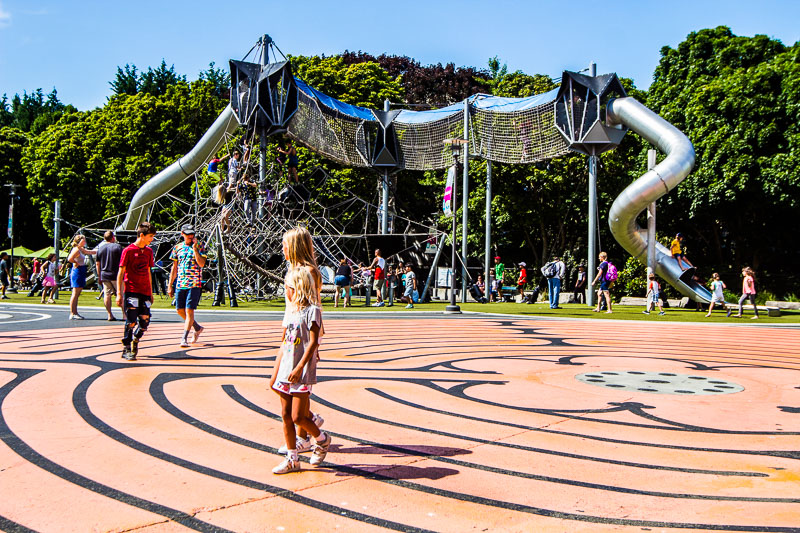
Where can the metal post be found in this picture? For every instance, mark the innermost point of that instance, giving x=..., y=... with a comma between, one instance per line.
x=13, y=188
x=56, y=239
x=219, y=293
x=432, y=272
x=591, y=264
x=651, y=221
x=488, y=246
x=453, y=308
x=464, y=206
x=385, y=183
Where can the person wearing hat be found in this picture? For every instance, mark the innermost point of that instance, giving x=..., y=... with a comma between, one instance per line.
x=522, y=280
x=677, y=252
x=188, y=259
x=499, y=270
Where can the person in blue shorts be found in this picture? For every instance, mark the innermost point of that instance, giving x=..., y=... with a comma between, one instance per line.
x=605, y=285
x=188, y=259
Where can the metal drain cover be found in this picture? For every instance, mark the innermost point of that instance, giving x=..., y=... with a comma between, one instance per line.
x=659, y=382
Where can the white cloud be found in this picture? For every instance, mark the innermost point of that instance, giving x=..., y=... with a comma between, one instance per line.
x=5, y=17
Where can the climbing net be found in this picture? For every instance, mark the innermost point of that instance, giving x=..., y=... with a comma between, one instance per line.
x=506, y=130
x=247, y=257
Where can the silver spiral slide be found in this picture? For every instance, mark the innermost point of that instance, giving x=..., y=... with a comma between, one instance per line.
x=653, y=185
x=173, y=175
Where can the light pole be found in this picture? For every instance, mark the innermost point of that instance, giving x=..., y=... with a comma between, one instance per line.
x=455, y=148
x=13, y=193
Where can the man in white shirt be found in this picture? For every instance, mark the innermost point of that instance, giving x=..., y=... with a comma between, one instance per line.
x=554, y=283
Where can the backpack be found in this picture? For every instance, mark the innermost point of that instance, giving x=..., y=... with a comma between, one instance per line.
x=611, y=273
x=550, y=270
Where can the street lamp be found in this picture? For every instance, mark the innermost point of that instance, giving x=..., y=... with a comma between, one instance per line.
x=455, y=149
x=13, y=194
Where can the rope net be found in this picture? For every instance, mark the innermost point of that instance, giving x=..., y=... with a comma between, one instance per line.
x=505, y=130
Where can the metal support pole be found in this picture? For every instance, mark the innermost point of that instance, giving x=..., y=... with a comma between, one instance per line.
x=13, y=188
x=385, y=196
x=591, y=264
x=219, y=293
x=56, y=239
x=453, y=308
x=651, y=221
x=488, y=246
x=465, y=206
x=432, y=272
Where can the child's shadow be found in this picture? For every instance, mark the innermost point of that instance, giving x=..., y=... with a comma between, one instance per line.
x=398, y=471
x=400, y=451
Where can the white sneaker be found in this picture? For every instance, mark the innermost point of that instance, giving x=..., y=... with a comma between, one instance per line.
x=320, y=451
x=410, y=306
x=317, y=419
x=197, y=333
x=75, y=317
x=303, y=446
x=286, y=466
x=185, y=343
x=379, y=304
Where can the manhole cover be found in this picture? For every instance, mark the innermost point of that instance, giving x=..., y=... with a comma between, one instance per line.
x=659, y=382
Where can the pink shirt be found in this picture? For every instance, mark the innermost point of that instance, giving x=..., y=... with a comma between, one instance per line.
x=748, y=287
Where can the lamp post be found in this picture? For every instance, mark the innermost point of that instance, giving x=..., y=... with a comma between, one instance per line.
x=13, y=192
x=455, y=148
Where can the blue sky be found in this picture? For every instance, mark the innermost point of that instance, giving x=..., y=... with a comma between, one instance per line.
x=76, y=46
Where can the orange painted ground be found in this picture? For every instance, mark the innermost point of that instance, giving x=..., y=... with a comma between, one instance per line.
x=463, y=424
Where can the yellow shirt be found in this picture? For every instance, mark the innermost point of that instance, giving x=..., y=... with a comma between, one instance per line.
x=676, y=247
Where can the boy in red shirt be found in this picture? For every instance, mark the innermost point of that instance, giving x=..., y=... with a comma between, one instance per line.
x=135, y=292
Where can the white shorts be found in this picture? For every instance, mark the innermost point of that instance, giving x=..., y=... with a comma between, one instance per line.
x=292, y=388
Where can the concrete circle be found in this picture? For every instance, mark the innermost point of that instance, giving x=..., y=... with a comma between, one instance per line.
x=659, y=382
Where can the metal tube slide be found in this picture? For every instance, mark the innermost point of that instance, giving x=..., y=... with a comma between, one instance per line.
x=647, y=189
x=177, y=172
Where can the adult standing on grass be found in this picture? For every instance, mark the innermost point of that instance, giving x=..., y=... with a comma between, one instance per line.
x=4, y=277
x=188, y=259
x=605, y=284
x=554, y=283
x=580, y=285
x=108, y=257
x=379, y=280
x=342, y=281
x=77, y=277
x=135, y=294
x=748, y=292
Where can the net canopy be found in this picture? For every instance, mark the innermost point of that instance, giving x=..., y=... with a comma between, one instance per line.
x=506, y=130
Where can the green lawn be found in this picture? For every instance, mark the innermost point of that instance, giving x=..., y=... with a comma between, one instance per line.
x=539, y=309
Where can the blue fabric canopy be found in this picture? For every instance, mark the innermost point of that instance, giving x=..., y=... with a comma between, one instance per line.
x=348, y=109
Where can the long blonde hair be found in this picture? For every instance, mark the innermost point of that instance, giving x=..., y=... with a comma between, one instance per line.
x=77, y=239
x=300, y=253
x=305, y=292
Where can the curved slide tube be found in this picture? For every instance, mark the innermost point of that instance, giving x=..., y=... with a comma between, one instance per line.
x=651, y=186
x=177, y=172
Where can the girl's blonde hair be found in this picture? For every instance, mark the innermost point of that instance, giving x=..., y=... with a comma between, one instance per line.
x=305, y=292
x=749, y=271
x=715, y=275
x=77, y=239
x=300, y=253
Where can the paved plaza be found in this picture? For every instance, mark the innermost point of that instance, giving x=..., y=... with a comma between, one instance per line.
x=468, y=423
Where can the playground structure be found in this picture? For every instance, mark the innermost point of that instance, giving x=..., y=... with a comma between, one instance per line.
x=588, y=114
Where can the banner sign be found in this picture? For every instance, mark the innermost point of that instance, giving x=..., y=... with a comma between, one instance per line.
x=10, y=220
x=447, y=203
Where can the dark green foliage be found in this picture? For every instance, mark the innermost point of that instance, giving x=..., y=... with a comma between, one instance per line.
x=738, y=99
x=154, y=82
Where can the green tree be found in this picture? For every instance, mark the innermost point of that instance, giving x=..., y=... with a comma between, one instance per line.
x=737, y=99
x=95, y=161
x=27, y=229
x=126, y=81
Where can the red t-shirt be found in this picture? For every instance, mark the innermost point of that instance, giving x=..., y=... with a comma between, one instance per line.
x=137, y=262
